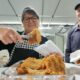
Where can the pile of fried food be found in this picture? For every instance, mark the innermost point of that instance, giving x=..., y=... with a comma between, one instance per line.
x=52, y=64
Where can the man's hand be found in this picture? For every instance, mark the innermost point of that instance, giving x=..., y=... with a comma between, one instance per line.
x=8, y=36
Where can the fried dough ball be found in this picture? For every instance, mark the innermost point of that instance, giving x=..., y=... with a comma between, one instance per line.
x=35, y=36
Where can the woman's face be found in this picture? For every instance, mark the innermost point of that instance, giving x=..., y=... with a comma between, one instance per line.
x=30, y=22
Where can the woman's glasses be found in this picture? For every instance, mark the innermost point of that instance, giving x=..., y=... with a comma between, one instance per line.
x=30, y=18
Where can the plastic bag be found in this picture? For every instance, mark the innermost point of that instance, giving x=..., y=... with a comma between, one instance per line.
x=4, y=56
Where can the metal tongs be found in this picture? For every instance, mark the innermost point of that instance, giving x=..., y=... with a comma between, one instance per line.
x=26, y=36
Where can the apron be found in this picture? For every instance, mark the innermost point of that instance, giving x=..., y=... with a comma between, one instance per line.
x=22, y=51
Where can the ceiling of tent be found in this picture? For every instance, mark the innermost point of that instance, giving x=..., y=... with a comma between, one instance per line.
x=50, y=11
x=55, y=11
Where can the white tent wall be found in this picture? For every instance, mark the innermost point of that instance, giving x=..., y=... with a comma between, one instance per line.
x=17, y=27
x=59, y=41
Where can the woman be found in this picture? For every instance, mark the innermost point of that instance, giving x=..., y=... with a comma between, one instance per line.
x=8, y=37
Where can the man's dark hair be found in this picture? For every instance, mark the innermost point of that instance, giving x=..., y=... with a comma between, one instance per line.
x=77, y=6
x=29, y=11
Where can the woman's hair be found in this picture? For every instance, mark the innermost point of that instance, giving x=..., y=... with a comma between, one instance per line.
x=29, y=11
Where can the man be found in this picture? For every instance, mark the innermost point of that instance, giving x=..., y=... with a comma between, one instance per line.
x=73, y=42
x=8, y=37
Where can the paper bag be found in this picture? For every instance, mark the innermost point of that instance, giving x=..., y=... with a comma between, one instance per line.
x=47, y=48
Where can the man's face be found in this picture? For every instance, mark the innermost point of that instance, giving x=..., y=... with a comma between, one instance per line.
x=78, y=14
x=30, y=22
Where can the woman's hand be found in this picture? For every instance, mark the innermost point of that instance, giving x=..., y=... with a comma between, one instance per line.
x=8, y=36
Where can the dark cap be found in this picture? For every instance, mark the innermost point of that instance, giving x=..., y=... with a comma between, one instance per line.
x=77, y=6
x=29, y=11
